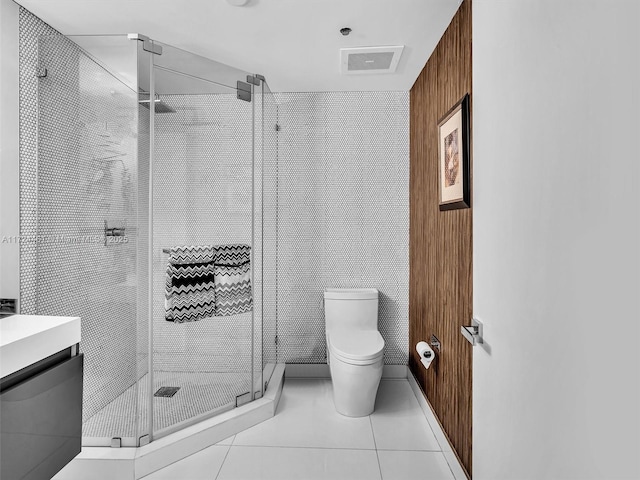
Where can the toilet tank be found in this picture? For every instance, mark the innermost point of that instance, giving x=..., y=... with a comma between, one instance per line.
x=351, y=308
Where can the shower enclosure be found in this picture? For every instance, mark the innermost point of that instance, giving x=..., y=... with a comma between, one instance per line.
x=143, y=147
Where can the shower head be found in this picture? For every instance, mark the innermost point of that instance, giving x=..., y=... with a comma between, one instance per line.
x=160, y=106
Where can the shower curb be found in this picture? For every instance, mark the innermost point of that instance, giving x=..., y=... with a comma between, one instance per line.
x=103, y=463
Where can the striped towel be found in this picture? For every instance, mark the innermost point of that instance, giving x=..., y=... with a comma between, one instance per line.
x=189, y=288
x=192, y=254
x=232, y=273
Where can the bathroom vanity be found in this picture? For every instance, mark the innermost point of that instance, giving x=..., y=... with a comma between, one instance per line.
x=40, y=394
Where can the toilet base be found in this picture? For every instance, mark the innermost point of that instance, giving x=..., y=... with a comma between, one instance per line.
x=355, y=386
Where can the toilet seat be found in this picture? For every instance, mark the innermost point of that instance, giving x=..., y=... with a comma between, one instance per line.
x=357, y=347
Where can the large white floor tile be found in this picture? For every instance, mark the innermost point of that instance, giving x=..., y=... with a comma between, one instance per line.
x=306, y=417
x=226, y=441
x=428, y=413
x=203, y=465
x=282, y=463
x=398, y=421
x=397, y=465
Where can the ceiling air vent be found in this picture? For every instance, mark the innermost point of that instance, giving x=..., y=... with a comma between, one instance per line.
x=370, y=60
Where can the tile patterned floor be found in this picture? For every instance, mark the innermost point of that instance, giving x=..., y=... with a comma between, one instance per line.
x=199, y=394
x=308, y=440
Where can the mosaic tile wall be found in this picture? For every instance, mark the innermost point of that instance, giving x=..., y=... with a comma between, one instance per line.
x=269, y=218
x=80, y=154
x=343, y=214
x=142, y=258
x=30, y=27
x=202, y=196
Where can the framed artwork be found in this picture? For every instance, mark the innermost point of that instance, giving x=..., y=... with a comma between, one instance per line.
x=453, y=155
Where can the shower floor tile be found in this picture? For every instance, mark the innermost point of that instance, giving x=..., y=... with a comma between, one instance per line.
x=199, y=394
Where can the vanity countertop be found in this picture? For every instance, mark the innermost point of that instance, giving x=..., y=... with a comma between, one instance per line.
x=27, y=339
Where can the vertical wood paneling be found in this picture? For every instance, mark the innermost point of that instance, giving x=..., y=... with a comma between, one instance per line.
x=440, y=276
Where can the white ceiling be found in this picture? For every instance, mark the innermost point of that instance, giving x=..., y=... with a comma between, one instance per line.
x=295, y=44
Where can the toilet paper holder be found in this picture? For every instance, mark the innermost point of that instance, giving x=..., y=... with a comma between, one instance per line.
x=426, y=353
x=434, y=342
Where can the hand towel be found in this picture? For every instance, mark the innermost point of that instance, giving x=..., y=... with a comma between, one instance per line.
x=189, y=288
x=232, y=274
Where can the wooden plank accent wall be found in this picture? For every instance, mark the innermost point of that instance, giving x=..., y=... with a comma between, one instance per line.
x=440, y=275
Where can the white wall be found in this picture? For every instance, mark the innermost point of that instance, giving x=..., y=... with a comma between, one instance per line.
x=556, y=389
x=9, y=160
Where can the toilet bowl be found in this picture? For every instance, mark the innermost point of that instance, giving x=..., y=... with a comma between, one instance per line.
x=355, y=349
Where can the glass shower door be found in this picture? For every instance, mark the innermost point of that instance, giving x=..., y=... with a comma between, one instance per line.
x=266, y=220
x=138, y=153
x=86, y=190
x=202, y=183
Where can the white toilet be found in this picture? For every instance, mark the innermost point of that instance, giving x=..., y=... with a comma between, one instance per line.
x=355, y=348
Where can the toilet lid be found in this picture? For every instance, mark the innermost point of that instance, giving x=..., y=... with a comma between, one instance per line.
x=357, y=344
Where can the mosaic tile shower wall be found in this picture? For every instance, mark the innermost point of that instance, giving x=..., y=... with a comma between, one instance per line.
x=202, y=196
x=142, y=258
x=269, y=218
x=86, y=176
x=30, y=28
x=258, y=244
x=343, y=214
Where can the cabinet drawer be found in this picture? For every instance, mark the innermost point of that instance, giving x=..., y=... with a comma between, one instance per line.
x=41, y=422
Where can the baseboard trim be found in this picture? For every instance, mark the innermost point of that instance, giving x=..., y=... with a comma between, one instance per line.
x=394, y=371
x=307, y=370
x=449, y=453
x=321, y=370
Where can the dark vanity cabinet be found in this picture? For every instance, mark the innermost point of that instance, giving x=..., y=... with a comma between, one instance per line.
x=41, y=417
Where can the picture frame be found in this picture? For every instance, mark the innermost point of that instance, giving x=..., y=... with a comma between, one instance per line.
x=453, y=157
